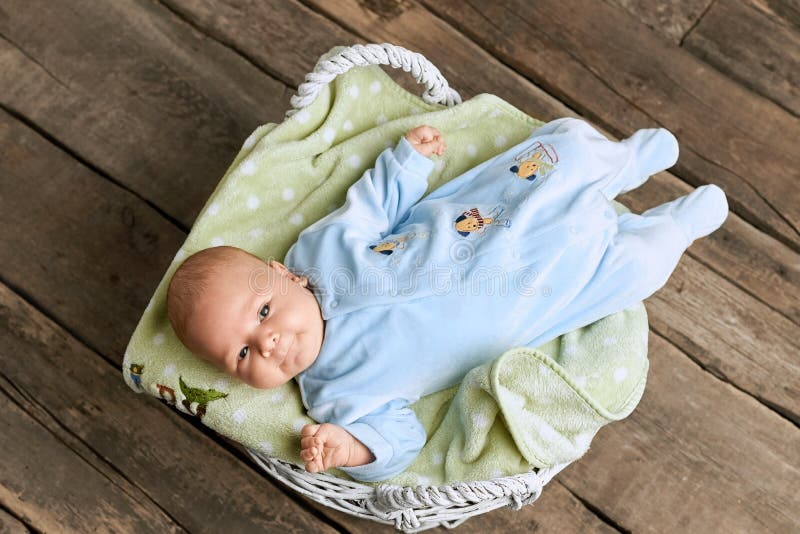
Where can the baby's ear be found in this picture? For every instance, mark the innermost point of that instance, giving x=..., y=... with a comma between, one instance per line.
x=278, y=266
x=281, y=268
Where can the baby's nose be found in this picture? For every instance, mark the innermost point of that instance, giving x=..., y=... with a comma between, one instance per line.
x=268, y=343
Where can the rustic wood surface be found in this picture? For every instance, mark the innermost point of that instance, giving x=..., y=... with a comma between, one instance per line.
x=117, y=119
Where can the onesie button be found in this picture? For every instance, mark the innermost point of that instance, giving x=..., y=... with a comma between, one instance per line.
x=335, y=304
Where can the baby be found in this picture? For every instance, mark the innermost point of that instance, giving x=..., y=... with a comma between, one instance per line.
x=394, y=296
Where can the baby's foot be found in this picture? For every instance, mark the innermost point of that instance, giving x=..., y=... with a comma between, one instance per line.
x=700, y=212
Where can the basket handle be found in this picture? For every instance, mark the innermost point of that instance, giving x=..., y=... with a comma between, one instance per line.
x=437, y=90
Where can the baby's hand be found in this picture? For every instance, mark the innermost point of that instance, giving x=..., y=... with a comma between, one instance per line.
x=426, y=140
x=328, y=445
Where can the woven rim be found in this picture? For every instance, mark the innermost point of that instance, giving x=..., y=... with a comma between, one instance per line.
x=437, y=90
x=411, y=509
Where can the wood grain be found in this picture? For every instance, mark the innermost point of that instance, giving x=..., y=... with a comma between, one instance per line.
x=670, y=18
x=58, y=489
x=127, y=86
x=11, y=525
x=752, y=45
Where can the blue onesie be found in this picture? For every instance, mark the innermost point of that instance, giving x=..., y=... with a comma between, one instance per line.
x=514, y=252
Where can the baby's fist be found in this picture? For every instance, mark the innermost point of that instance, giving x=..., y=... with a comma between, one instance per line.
x=426, y=140
x=324, y=446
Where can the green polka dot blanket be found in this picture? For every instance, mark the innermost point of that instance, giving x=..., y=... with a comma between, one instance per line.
x=523, y=409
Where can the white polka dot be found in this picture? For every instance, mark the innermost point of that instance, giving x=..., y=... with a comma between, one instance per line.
x=217, y=242
x=248, y=168
x=158, y=339
x=423, y=481
x=620, y=373
x=328, y=134
x=496, y=473
x=472, y=150
x=462, y=125
x=354, y=161
x=479, y=420
x=253, y=202
x=169, y=370
x=213, y=209
x=610, y=340
x=570, y=349
x=221, y=384
x=500, y=140
x=415, y=110
x=287, y=193
x=347, y=126
x=495, y=113
x=583, y=440
x=250, y=141
x=179, y=255
x=239, y=415
x=581, y=381
x=296, y=219
x=437, y=459
x=266, y=447
x=439, y=165
x=353, y=91
x=302, y=116
x=298, y=424
x=255, y=232
x=278, y=396
x=545, y=430
x=375, y=87
x=380, y=119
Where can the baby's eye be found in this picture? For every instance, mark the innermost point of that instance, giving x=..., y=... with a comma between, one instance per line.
x=264, y=311
x=243, y=353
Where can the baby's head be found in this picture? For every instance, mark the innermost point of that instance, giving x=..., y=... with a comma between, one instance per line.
x=252, y=319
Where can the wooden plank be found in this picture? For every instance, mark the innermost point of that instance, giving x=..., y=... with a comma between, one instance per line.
x=138, y=93
x=670, y=18
x=697, y=455
x=203, y=487
x=613, y=70
x=11, y=525
x=87, y=251
x=752, y=44
x=58, y=489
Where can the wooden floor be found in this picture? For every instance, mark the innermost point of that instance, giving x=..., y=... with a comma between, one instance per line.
x=117, y=119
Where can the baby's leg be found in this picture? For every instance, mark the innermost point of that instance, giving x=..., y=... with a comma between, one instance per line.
x=642, y=256
x=649, y=151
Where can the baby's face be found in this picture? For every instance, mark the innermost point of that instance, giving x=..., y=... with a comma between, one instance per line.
x=257, y=322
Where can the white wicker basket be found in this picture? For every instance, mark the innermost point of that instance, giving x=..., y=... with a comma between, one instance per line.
x=422, y=507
